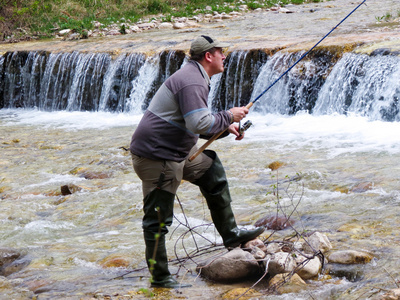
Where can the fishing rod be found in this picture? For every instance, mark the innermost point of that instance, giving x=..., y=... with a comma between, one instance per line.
x=250, y=104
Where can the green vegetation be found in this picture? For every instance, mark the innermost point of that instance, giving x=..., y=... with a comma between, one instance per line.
x=44, y=17
x=388, y=17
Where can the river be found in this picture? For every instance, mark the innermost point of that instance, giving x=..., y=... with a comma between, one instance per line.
x=345, y=155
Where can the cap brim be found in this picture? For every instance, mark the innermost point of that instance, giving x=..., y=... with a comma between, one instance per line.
x=221, y=45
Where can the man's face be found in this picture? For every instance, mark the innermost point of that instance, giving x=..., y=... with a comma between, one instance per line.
x=217, y=61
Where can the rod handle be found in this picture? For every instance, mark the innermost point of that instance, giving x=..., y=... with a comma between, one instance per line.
x=212, y=139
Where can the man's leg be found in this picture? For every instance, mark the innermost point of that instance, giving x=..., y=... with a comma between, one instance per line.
x=211, y=178
x=160, y=180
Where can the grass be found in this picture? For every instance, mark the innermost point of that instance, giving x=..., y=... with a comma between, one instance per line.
x=388, y=17
x=44, y=17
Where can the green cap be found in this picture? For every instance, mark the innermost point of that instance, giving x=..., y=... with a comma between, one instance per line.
x=204, y=43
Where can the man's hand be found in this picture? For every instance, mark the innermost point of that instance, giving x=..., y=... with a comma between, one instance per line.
x=239, y=113
x=234, y=128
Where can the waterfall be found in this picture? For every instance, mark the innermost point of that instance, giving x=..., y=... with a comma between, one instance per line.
x=364, y=85
x=118, y=82
x=297, y=90
x=142, y=83
x=325, y=82
x=236, y=84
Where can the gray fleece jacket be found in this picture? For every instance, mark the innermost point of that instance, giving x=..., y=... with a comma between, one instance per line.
x=177, y=115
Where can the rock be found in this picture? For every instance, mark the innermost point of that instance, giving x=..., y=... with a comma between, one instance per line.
x=317, y=242
x=274, y=222
x=281, y=262
x=181, y=20
x=235, y=293
x=64, y=31
x=15, y=266
x=70, y=188
x=8, y=255
x=232, y=266
x=310, y=269
x=225, y=16
x=275, y=165
x=349, y=257
x=273, y=248
x=134, y=28
x=285, y=11
x=352, y=273
x=255, y=243
x=284, y=283
x=165, y=25
x=391, y=295
x=179, y=25
x=35, y=285
x=257, y=253
x=12, y=261
x=146, y=26
x=362, y=187
x=114, y=32
x=97, y=24
x=114, y=261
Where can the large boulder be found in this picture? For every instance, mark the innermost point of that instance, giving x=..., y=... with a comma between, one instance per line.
x=230, y=267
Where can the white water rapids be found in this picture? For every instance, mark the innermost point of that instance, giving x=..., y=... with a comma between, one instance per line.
x=67, y=238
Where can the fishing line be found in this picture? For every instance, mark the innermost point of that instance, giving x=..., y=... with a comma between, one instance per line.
x=250, y=104
x=305, y=54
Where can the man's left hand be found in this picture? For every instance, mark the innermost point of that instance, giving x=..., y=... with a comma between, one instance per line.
x=234, y=128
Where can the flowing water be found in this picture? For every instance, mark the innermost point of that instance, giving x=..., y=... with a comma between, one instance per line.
x=68, y=118
x=66, y=238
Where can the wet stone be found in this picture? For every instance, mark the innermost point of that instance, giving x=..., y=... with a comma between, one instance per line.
x=12, y=261
x=352, y=273
x=349, y=257
x=232, y=266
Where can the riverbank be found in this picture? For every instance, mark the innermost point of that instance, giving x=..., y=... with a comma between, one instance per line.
x=272, y=30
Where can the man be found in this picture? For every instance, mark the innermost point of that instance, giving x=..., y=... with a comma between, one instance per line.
x=164, y=140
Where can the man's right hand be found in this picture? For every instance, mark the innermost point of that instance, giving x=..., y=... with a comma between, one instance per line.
x=239, y=113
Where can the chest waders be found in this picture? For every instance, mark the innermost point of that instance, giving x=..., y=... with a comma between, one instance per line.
x=214, y=187
x=158, y=214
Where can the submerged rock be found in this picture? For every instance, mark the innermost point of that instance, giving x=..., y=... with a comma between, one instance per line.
x=114, y=261
x=12, y=261
x=243, y=293
x=352, y=273
x=274, y=222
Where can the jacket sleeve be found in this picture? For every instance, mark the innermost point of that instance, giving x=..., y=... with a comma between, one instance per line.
x=198, y=117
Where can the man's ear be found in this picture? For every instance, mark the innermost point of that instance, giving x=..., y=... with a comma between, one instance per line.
x=207, y=56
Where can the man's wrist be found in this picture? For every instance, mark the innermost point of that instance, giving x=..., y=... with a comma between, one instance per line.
x=232, y=116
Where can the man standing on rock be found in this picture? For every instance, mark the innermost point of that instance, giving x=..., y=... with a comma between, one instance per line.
x=163, y=142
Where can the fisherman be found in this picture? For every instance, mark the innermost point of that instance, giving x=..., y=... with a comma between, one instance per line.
x=163, y=142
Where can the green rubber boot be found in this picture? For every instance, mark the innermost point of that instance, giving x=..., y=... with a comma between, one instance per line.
x=158, y=214
x=214, y=187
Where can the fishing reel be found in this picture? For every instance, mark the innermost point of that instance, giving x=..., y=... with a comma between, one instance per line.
x=245, y=126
